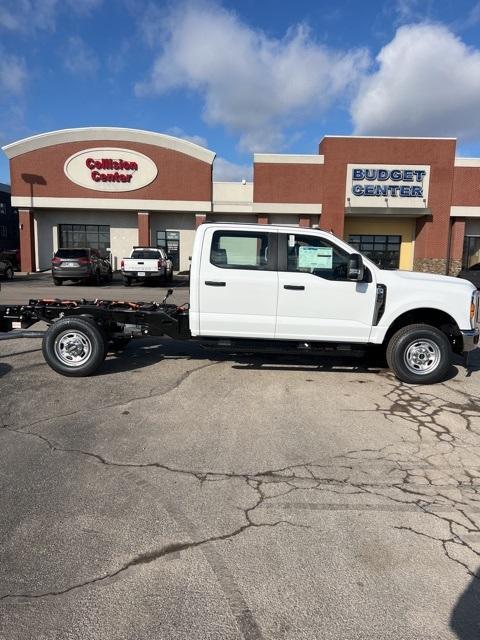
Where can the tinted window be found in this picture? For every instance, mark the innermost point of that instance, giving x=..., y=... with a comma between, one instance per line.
x=141, y=254
x=384, y=251
x=316, y=255
x=239, y=250
x=84, y=235
x=71, y=253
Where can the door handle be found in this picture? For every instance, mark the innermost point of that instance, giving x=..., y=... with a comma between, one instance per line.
x=215, y=283
x=294, y=287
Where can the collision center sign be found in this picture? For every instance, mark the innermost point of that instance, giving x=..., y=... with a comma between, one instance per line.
x=110, y=169
x=387, y=185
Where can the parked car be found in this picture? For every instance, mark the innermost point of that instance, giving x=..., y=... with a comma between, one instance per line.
x=12, y=256
x=472, y=274
x=147, y=264
x=6, y=267
x=80, y=265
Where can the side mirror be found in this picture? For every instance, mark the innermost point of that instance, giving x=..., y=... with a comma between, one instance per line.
x=356, y=268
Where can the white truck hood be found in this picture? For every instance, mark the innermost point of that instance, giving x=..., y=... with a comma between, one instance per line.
x=424, y=279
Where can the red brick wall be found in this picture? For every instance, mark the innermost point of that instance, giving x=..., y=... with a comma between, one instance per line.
x=466, y=186
x=285, y=182
x=180, y=177
x=432, y=231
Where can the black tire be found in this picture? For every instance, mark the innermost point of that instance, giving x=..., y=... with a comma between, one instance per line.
x=97, y=279
x=83, y=334
x=413, y=347
x=57, y=282
x=109, y=275
x=9, y=273
x=127, y=281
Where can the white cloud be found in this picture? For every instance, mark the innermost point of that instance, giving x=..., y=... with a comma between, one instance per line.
x=79, y=58
x=32, y=15
x=13, y=74
x=252, y=84
x=178, y=132
x=226, y=171
x=427, y=83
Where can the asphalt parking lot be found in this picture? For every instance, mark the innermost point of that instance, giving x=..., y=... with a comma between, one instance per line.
x=184, y=495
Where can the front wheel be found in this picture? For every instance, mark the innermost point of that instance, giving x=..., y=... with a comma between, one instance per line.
x=419, y=354
x=74, y=347
x=127, y=281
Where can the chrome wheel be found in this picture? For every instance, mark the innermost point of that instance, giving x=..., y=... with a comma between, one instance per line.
x=73, y=348
x=422, y=356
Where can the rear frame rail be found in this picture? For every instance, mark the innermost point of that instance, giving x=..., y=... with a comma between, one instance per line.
x=114, y=316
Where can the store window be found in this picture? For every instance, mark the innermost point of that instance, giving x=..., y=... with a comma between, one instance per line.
x=3, y=231
x=471, y=253
x=384, y=251
x=3, y=208
x=85, y=236
x=170, y=242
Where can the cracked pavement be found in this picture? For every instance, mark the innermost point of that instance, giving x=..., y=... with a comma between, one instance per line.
x=182, y=494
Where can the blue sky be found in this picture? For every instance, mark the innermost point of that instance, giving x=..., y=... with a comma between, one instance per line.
x=245, y=76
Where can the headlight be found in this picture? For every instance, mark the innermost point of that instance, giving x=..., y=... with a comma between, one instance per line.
x=474, y=309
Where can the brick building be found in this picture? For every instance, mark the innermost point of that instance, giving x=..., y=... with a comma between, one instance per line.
x=407, y=203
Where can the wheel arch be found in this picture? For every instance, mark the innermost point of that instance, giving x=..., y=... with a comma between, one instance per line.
x=430, y=316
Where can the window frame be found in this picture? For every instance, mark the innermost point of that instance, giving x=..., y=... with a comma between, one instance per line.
x=272, y=244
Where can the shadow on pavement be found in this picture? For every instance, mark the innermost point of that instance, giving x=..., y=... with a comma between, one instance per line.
x=146, y=352
x=465, y=618
x=4, y=369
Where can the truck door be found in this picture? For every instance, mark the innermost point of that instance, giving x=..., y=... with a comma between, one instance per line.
x=315, y=299
x=238, y=284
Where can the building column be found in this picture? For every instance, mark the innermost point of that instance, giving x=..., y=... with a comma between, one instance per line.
x=304, y=221
x=456, y=245
x=262, y=218
x=200, y=218
x=144, y=228
x=27, y=239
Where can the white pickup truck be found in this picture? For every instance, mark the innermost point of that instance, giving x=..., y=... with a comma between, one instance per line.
x=259, y=289
x=146, y=263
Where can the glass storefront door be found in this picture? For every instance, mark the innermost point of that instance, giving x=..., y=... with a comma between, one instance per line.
x=170, y=241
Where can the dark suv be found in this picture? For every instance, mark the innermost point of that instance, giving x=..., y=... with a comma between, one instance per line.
x=6, y=266
x=80, y=265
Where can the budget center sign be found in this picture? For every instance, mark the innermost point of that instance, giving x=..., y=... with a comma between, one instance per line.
x=387, y=186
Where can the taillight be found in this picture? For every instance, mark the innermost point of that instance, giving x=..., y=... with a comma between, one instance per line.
x=83, y=260
x=161, y=263
x=56, y=260
x=122, y=264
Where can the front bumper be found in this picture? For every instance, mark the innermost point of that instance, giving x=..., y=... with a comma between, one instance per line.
x=470, y=339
